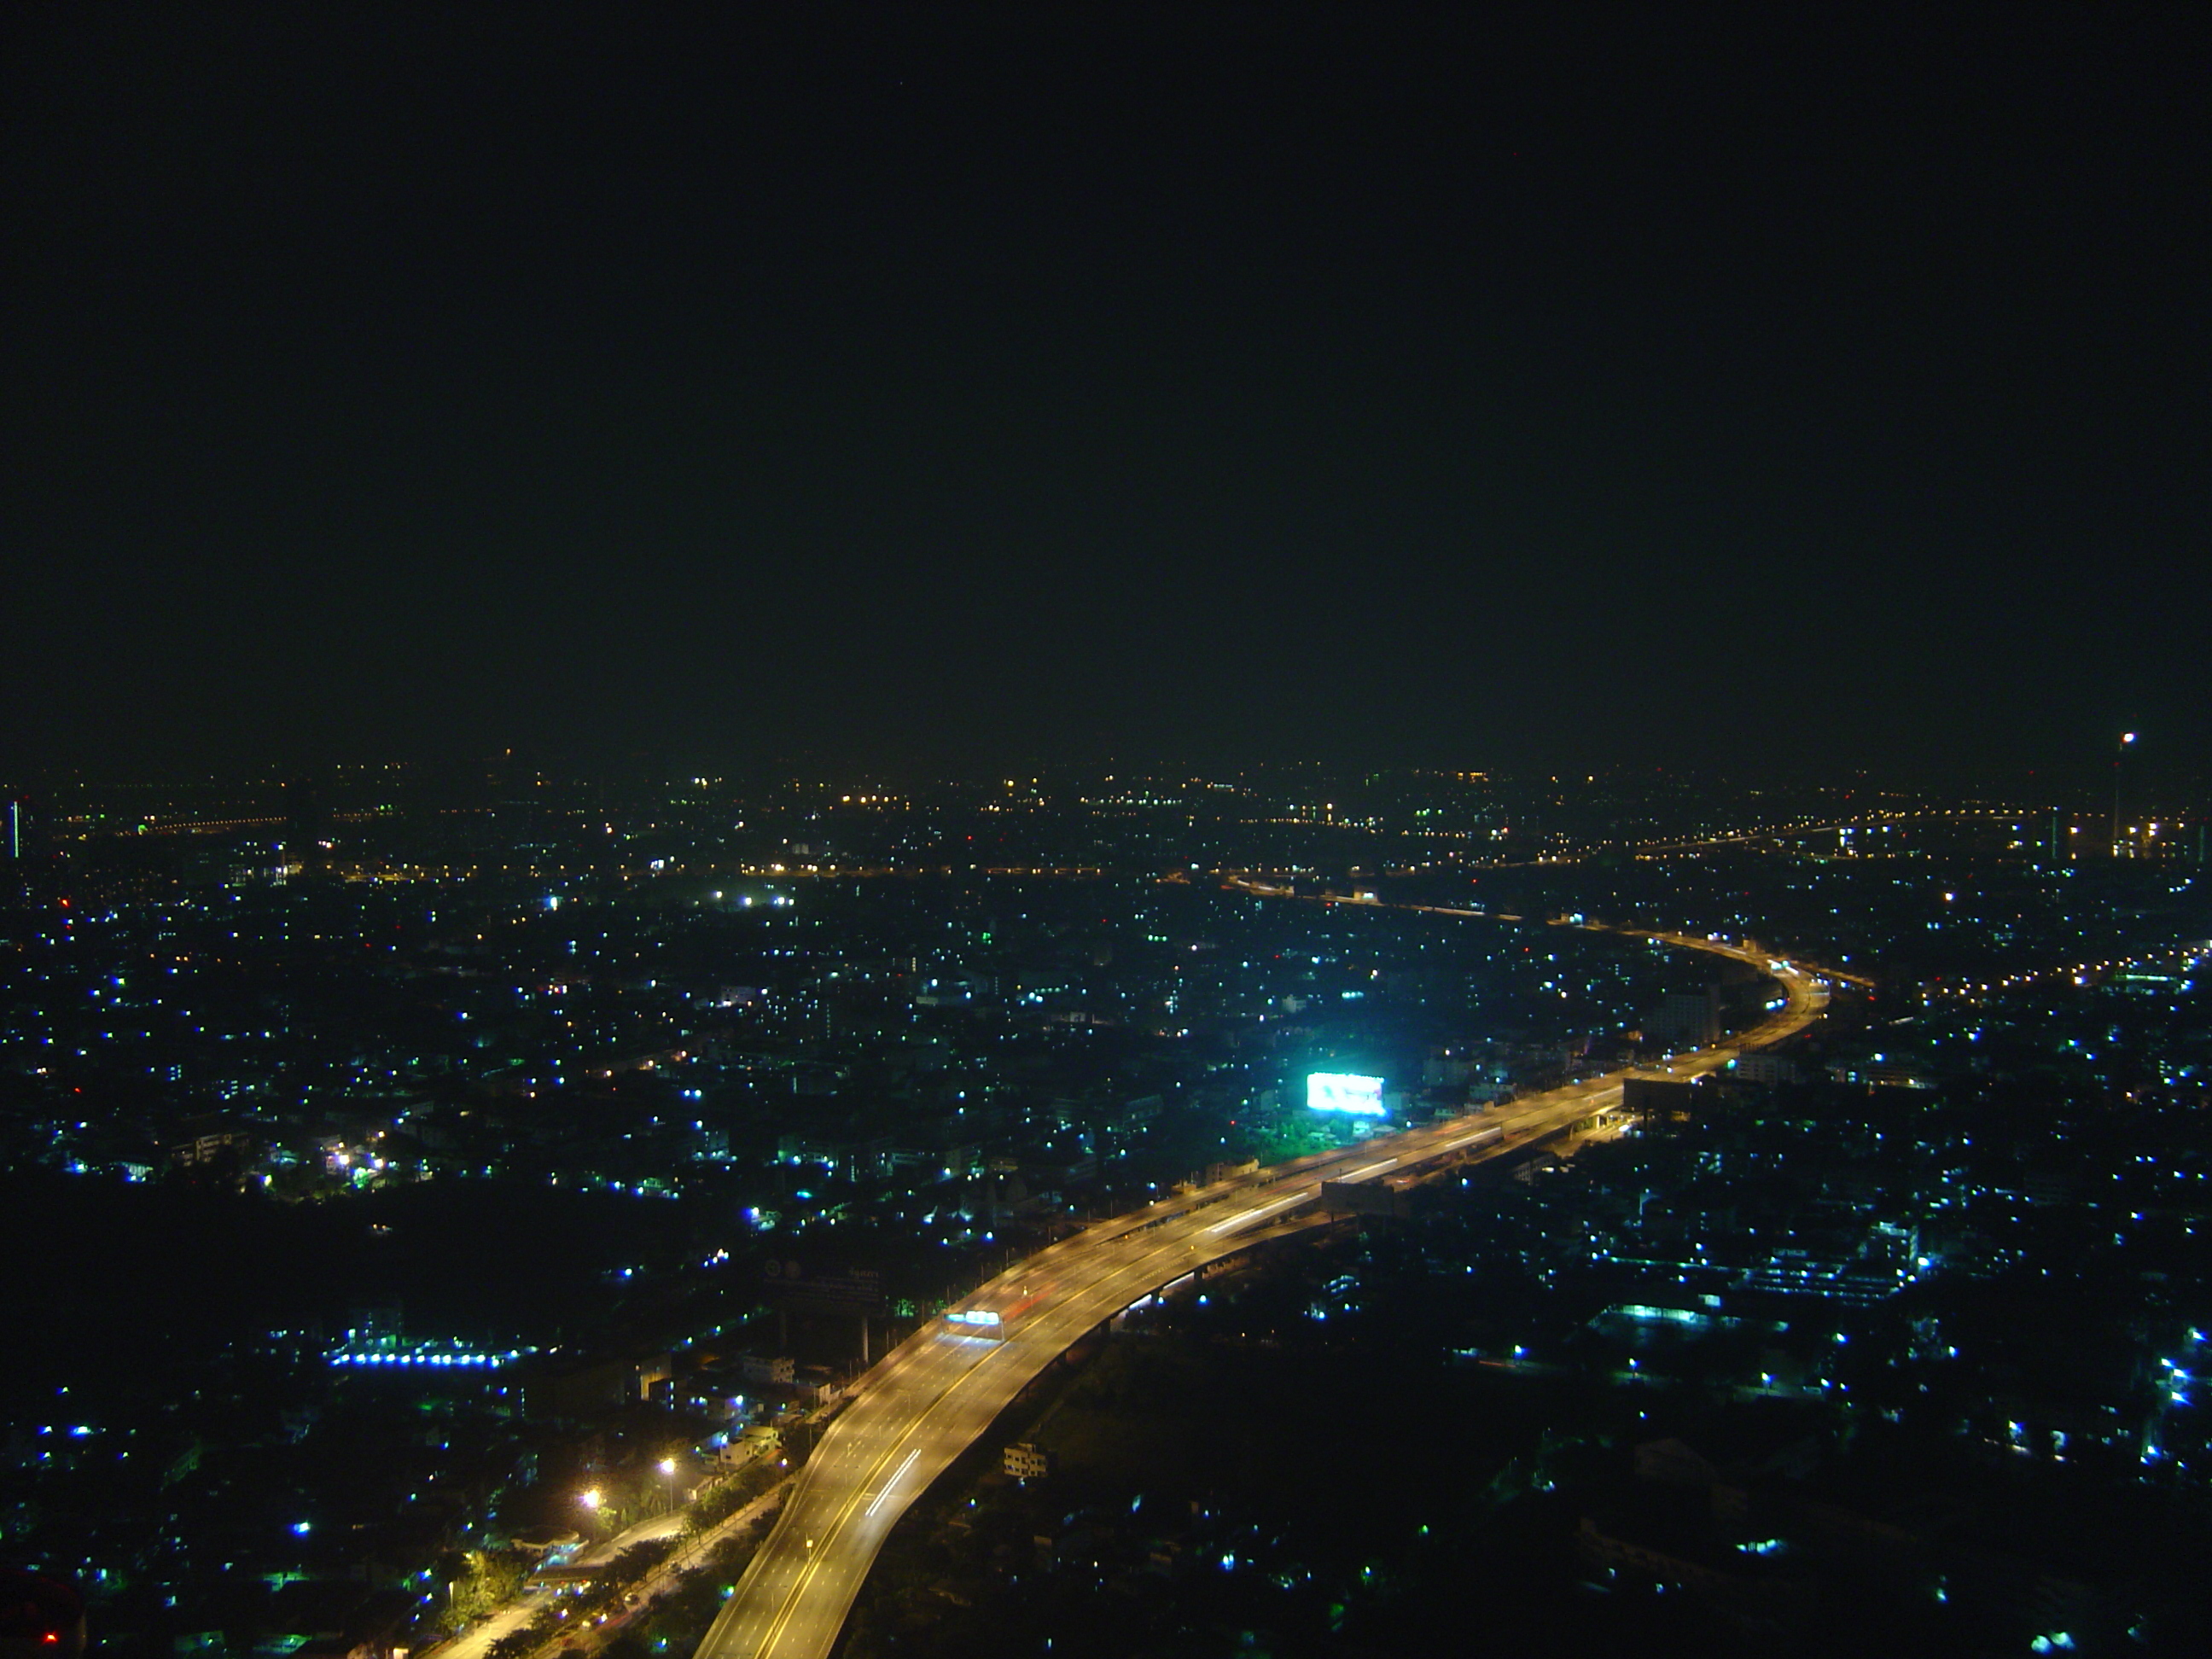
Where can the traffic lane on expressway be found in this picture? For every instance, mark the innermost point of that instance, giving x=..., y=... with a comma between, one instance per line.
x=893, y=1442
x=863, y=1451
x=917, y=1416
x=930, y=1400
x=1006, y=1366
x=797, y=1579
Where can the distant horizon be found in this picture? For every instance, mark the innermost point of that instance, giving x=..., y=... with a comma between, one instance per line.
x=2175, y=786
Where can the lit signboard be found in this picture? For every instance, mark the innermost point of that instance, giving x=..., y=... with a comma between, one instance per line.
x=1340, y=1091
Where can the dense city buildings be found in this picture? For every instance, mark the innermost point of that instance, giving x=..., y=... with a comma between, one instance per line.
x=520, y=1167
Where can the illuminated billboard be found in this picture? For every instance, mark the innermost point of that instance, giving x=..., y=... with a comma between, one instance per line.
x=1340, y=1092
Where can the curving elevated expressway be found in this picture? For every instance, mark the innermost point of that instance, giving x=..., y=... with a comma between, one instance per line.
x=933, y=1395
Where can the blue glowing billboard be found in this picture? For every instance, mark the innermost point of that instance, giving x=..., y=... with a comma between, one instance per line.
x=1340, y=1092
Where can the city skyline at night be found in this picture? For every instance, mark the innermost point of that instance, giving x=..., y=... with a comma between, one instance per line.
x=855, y=832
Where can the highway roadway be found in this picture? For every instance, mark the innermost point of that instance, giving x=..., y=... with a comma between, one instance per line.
x=934, y=1394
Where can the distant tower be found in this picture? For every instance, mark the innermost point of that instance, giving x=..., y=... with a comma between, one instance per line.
x=307, y=822
x=1687, y=1019
x=2120, y=762
x=515, y=791
x=22, y=839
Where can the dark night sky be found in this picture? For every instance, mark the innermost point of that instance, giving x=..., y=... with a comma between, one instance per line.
x=1603, y=386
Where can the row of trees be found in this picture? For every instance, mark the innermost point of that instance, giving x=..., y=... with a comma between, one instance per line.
x=726, y=1496
x=482, y=1582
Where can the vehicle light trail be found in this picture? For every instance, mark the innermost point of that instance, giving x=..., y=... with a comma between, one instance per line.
x=1251, y=1216
x=894, y=1480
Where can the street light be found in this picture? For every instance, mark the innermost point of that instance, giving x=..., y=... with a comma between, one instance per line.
x=589, y=1497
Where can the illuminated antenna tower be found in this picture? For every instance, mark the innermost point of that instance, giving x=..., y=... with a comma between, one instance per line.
x=2119, y=758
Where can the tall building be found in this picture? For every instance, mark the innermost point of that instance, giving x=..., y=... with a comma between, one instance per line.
x=24, y=855
x=1685, y=1019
